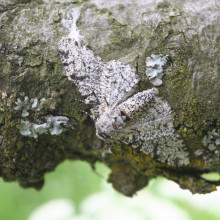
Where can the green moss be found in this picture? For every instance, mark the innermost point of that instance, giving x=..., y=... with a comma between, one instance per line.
x=187, y=109
x=190, y=120
x=22, y=157
x=121, y=38
x=163, y=5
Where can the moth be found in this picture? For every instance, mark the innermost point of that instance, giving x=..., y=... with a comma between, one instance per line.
x=142, y=120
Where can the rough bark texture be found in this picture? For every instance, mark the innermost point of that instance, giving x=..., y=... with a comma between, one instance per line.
x=128, y=30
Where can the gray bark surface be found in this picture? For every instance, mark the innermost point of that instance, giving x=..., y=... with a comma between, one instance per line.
x=34, y=89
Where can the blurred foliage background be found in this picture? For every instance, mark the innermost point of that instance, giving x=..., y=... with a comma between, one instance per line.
x=76, y=192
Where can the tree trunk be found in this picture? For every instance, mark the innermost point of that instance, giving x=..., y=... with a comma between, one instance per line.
x=43, y=118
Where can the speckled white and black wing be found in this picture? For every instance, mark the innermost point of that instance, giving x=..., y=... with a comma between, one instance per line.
x=121, y=81
x=102, y=84
x=84, y=69
x=143, y=120
x=153, y=132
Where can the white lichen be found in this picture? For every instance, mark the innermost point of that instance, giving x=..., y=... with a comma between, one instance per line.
x=25, y=113
x=54, y=125
x=211, y=140
x=154, y=68
x=19, y=104
x=41, y=128
x=144, y=120
x=217, y=141
x=25, y=128
x=199, y=152
x=28, y=105
x=4, y=95
x=34, y=104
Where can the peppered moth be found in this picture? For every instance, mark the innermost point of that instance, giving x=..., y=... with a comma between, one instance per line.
x=143, y=120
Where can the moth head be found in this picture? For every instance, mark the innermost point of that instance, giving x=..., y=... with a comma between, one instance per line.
x=109, y=123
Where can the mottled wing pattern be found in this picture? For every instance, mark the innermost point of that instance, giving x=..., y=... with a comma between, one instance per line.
x=102, y=84
x=84, y=69
x=143, y=120
x=122, y=81
x=153, y=132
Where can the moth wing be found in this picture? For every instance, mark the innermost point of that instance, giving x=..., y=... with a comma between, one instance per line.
x=121, y=79
x=101, y=83
x=152, y=130
x=84, y=69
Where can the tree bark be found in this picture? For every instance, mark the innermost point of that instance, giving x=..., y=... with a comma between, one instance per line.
x=43, y=119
